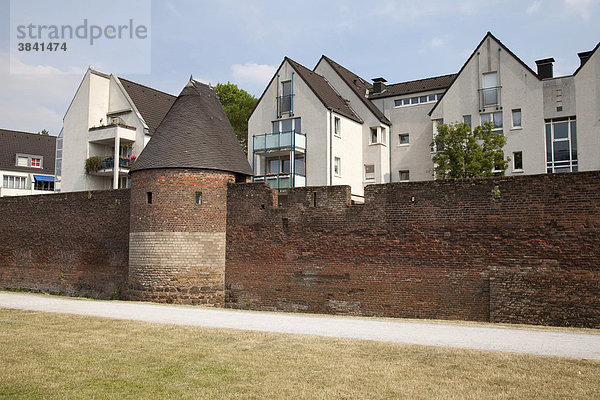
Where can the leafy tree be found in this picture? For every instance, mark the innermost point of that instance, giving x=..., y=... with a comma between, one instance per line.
x=465, y=153
x=238, y=105
x=44, y=132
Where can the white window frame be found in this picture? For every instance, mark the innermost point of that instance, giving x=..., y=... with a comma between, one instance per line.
x=512, y=115
x=416, y=100
x=400, y=136
x=368, y=178
x=515, y=169
x=492, y=118
x=10, y=182
x=380, y=137
x=337, y=127
x=337, y=166
x=29, y=159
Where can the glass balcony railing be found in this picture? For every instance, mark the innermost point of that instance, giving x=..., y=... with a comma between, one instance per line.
x=489, y=97
x=271, y=141
x=282, y=180
x=124, y=162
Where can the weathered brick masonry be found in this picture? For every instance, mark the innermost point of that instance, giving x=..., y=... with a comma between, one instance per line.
x=177, y=247
x=71, y=243
x=520, y=249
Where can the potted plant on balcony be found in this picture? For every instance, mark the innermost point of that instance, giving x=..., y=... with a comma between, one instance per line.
x=93, y=164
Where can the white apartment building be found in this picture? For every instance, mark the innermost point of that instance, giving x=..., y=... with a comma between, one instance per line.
x=382, y=133
x=26, y=163
x=110, y=118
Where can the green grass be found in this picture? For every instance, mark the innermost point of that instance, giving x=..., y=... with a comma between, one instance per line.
x=45, y=355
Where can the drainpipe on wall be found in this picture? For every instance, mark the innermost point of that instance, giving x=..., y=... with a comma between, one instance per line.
x=331, y=147
x=390, y=153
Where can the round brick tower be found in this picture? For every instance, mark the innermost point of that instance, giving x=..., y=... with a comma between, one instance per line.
x=179, y=203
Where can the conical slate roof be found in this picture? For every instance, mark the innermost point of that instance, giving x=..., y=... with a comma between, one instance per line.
x=195, y=133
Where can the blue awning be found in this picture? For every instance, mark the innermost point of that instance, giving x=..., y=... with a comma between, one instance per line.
x=42, y=178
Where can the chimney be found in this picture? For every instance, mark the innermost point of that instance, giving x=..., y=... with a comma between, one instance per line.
x=584, y=56
x=378, y=85
x=545, y=68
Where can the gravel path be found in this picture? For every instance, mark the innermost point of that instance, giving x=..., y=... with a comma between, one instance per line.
x=540, y=342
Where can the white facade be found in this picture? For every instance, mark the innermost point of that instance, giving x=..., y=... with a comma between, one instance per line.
x=551, y=124
x=17, y=183
x=101, y=121
x=329, y=155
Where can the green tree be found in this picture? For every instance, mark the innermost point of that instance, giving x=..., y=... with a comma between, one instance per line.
x=44, y=132
x=465, y=153
x=238, y=105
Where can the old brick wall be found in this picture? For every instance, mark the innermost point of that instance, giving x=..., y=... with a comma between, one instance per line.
x=515, y=249
x=177, y=247
x=71, y=243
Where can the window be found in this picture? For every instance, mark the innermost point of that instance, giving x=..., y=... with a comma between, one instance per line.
x=404, y=175
x=14, y=182
x=148, y=197
x=279, y=165
x=22, y=161
x=432, y=98
x=518, y=160
x=436, y=123
x=286, y=99
x=403, y=139
x=124, y=182
x=489, y=91
x=496, y=118
x=198, y=198
x=374, y=136
x=287, y=125
x=43, y=185
x=516, y=118
x=337, y=166
x=467, y=120
x=369, y=172
x=337, y=127
x=561, y=145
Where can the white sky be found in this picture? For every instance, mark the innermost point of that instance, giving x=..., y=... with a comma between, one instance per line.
x=243, y=41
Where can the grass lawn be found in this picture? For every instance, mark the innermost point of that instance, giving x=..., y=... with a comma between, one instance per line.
x=46, y=355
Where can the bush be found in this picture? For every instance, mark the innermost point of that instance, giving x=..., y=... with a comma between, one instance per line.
x=93, y=164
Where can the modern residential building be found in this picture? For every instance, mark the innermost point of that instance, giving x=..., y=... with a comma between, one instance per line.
x=26, y=163
x=111, y=118
x=356, y=133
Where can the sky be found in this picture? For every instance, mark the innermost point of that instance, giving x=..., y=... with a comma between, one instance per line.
x=244, y=41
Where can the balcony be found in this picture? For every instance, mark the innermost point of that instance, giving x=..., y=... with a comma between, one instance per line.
x=106, y=134
x=282, y=181
x=108, y=164
x=279, y=159
x=283, y=140
x=490, y=97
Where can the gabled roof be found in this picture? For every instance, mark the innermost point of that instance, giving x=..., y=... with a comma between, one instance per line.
x=16, y=142
x=195, y=133
x=359, y=86
x=324, y=92
x=152, y=104
x=489, y=34
x=420, y=85
x=590, y=56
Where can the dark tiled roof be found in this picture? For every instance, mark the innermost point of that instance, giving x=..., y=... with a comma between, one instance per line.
x=15, y=142
x=323, y=90
x=421, y=85
x=151, y=103
x=359, y=86
x=195, y=133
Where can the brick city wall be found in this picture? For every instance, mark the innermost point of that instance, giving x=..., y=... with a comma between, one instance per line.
x=516, y=249
x=71, y=243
